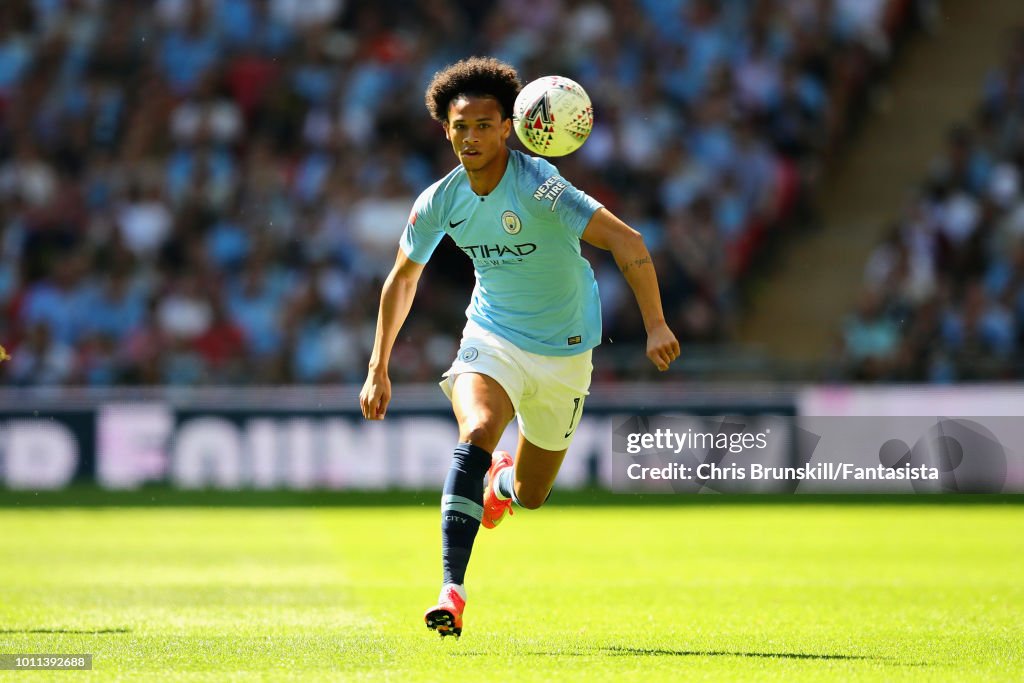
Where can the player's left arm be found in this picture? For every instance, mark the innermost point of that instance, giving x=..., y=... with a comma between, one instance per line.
x=606, y=231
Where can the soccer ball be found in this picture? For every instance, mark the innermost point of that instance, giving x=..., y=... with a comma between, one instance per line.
x=553, y=116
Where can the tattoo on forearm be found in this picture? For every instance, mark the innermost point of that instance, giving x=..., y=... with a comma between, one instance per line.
x=630, y=264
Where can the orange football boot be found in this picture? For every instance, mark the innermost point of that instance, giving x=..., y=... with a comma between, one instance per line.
x=446, y=616
x=495, y=508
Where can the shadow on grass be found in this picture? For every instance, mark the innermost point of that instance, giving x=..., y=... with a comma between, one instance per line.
x=96, y=631
x=661, y=652
x=621, y=651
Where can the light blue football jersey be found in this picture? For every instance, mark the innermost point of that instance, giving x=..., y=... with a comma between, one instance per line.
x=533, y=287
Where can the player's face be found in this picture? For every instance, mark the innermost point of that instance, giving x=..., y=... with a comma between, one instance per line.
x=477, y=131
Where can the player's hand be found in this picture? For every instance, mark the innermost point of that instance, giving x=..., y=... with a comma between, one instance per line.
x=662, y=346
x=375, y=396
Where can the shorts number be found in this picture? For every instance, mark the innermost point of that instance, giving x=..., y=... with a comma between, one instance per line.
x=575, y=409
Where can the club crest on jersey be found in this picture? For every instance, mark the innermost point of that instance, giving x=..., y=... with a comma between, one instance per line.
x=510, y=221
x=468, y=354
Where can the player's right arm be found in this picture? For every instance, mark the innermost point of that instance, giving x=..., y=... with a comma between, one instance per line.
x=395, y=301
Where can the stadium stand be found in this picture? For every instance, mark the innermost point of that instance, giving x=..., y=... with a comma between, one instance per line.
x=211, y=191
x=943, y=296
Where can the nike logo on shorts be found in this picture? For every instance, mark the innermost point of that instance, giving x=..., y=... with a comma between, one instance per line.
x=455, y=225
x=572, y=420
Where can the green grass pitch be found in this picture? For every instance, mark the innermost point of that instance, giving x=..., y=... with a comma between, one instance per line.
x=722, y=592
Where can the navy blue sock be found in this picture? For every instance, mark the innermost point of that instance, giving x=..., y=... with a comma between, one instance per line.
x=462, y=509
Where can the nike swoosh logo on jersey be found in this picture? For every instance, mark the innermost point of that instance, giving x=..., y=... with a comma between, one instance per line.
x=455, y=225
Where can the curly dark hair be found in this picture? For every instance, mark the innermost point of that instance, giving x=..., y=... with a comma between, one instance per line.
x=475, y=76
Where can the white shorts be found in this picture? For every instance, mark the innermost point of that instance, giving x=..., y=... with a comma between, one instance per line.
x=547, y=392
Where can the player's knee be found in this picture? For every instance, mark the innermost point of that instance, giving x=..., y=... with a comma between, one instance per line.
x=531, y=499
x=479, y=433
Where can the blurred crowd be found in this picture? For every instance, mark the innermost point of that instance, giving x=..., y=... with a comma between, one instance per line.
x=944, y=293
x=211, y=191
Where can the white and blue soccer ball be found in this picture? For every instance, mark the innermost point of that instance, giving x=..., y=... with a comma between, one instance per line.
x=553, y=116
